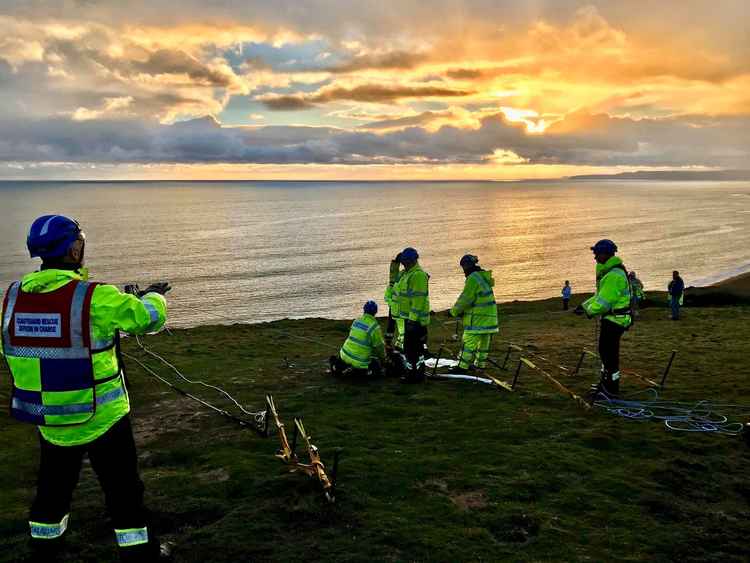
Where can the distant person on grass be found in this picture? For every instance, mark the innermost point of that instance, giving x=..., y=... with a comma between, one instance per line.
x=477, y=305
x=636, y=288
x=363, y=352
x=567, y=291
x=61, y=343
x=676, y=288
x=611, y=302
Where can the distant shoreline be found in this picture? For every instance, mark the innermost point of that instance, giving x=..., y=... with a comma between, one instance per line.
x=676, y=176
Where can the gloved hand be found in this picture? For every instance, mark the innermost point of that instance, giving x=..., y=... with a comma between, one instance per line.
x=159, y=287
x=133, y=289
x=579, y=310
x=397, y=258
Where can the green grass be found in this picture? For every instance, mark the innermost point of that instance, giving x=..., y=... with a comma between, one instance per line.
x=446, y=471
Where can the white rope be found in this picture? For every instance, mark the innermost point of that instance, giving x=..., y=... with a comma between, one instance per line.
x=258, y=416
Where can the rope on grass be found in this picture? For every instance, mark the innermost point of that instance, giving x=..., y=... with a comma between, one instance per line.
x=258, y=417
x=701, y=416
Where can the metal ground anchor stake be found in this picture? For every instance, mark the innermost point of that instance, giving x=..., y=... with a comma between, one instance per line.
x=666, y=371
x=437, y=361
x=507, y=357
x=515, y=376
x=580, y=363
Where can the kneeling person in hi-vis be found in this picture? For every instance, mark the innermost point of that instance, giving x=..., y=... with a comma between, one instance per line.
x=363, y=352
x=477, y=305
x=61, y=343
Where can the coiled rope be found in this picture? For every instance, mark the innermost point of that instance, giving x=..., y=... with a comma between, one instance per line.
x=701, y=416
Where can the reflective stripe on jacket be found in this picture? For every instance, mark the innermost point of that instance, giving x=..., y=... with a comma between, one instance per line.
x=477, y=303
x=365, y=341
x=414, y=295
x=612, y=298
x=110, y=311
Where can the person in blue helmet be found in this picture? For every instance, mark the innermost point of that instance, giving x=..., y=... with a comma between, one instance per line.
x=611, y=303
x=60, y=339
x=413, y=289
x=363, y=352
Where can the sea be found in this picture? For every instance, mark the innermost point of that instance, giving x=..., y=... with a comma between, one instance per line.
x=260, y=251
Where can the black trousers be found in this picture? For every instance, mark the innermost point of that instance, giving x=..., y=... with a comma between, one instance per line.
x=609, y=351
x=114, y=460
x=339, y=368
x=565, y=304
x=415, y=343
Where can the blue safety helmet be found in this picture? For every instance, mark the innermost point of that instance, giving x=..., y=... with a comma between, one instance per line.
x=50, y=236
x=468, y=260
x=370, y=308
x=409, y=255
x=604, y=246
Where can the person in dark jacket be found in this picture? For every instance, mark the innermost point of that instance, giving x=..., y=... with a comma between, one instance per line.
x=676, y=288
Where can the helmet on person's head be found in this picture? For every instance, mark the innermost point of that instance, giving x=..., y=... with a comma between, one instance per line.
x=50, y=236
x=409, y=254
x=468, y=260
x=370, y=308
x=604, y=246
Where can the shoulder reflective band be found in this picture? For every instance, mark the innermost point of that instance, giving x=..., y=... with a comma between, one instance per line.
x=361, y=326
x=43, y=531
x=482, y=282
x=131, y=537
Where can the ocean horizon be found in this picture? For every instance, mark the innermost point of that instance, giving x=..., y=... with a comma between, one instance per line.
x=254, y=251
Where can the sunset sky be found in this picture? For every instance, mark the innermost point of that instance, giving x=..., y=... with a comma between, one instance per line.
x=327, y=89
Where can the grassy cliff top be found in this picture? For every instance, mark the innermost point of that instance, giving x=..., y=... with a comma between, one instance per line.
x=445, y=471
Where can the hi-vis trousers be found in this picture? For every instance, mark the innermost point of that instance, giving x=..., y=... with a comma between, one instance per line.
x=476, y=348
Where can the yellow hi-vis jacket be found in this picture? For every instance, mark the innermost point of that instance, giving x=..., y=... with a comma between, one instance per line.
x=110, y=311
x=391, y=291
x=477, y=303
x=612, y=298
x=414, y=295
x=364, y=343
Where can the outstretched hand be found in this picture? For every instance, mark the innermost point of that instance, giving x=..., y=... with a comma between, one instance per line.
x=159, y=287
x=579, y=310
x=133, y=289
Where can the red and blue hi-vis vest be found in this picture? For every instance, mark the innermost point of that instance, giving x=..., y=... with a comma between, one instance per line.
x=47, y=344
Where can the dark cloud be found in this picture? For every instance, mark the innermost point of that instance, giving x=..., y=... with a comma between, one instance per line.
x=656, y=142
x=374, y=93
x=165, y=61
x=465, y=73
x=396, y=60
x=286, y=103
x=409, y=121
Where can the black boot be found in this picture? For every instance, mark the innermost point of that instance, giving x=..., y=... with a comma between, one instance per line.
x=46, y=551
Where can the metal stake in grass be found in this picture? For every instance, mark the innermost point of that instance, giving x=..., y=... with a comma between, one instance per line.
x=511, y=347
x=666, y=371
x=584, y=353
